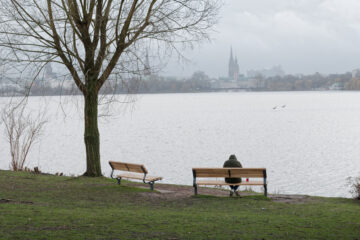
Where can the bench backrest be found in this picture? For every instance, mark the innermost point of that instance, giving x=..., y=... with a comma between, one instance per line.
x=130, y=167
x=229, y=172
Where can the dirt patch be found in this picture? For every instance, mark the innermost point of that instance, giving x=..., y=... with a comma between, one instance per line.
x=5, y=200
x=176, y=192
x=57, y=228
x=297, y=199
x=14, y=202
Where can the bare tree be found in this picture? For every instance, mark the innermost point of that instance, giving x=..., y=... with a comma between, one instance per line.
x=354, y=183
x=21, y=130
x=98, y=40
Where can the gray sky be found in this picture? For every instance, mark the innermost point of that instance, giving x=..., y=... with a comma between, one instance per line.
x=304, y=36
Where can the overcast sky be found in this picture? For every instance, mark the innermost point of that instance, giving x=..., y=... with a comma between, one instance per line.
x=303, y=36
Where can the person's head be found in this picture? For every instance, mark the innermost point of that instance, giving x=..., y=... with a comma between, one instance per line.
x=232, y=157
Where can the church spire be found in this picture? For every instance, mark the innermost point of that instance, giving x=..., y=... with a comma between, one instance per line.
x=147, y=70
x=231, y=64
x=236, y=69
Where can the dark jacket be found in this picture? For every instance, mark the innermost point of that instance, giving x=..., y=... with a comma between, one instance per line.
x=232, y=162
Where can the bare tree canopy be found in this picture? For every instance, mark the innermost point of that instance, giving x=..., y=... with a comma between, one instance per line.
x=96, y=40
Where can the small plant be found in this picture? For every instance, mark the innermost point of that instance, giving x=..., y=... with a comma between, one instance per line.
x=21, y=131
x=354, y=183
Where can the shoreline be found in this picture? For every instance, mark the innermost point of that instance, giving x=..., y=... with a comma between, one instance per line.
x=174, y=191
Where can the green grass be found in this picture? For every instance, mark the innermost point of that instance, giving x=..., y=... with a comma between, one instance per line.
x=51, y=207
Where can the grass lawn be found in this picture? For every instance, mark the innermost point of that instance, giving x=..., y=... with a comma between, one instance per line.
x=52, y=207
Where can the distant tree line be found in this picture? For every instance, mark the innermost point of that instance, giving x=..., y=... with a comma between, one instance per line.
x=315, y=81
x=197, y=82
x=353, y=84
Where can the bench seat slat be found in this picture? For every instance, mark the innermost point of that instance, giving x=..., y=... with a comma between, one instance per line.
x=223, y=183
x=131, y=167
x=229, y=172
x=139, y=177
x=233, y=175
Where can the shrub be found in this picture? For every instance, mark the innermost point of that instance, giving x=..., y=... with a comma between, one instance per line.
x=21, y=131
x=355, y=186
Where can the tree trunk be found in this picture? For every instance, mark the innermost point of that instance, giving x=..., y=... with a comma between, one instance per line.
x=92, y=137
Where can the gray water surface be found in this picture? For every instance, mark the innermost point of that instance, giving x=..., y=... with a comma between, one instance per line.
x=308, y=141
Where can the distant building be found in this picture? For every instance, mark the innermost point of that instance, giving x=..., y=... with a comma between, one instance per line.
x=267, y=72
x=48, y=72
x=233, y=67
x=337, y=86
x=255, y=79
x=356, y=73
x=147, y=69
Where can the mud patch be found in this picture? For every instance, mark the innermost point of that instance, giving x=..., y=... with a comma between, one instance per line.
x=293, y=199
x=57, y=228
x=169, y=192
x=2, y=201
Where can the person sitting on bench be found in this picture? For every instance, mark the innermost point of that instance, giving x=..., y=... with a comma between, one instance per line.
x=230, y=163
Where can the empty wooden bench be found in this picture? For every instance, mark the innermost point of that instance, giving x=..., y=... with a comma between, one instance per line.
x=133, y=171
x=229, y=173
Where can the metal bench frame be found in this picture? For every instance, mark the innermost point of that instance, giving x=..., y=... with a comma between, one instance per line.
x=151, y=183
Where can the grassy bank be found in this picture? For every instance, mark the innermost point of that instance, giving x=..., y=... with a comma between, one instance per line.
x=51, y=207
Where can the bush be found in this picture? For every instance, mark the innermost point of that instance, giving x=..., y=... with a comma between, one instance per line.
x=355, y=187
x=22, y=131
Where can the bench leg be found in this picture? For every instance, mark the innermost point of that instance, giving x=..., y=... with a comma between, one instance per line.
x=195, y=190
x=118, y=180
x=265, y=190
x=151, y=186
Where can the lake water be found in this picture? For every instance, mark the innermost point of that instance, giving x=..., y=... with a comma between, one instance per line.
x=308, y=141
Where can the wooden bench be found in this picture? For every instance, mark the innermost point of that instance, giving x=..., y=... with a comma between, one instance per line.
x=229, y=173
x=133, y=171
